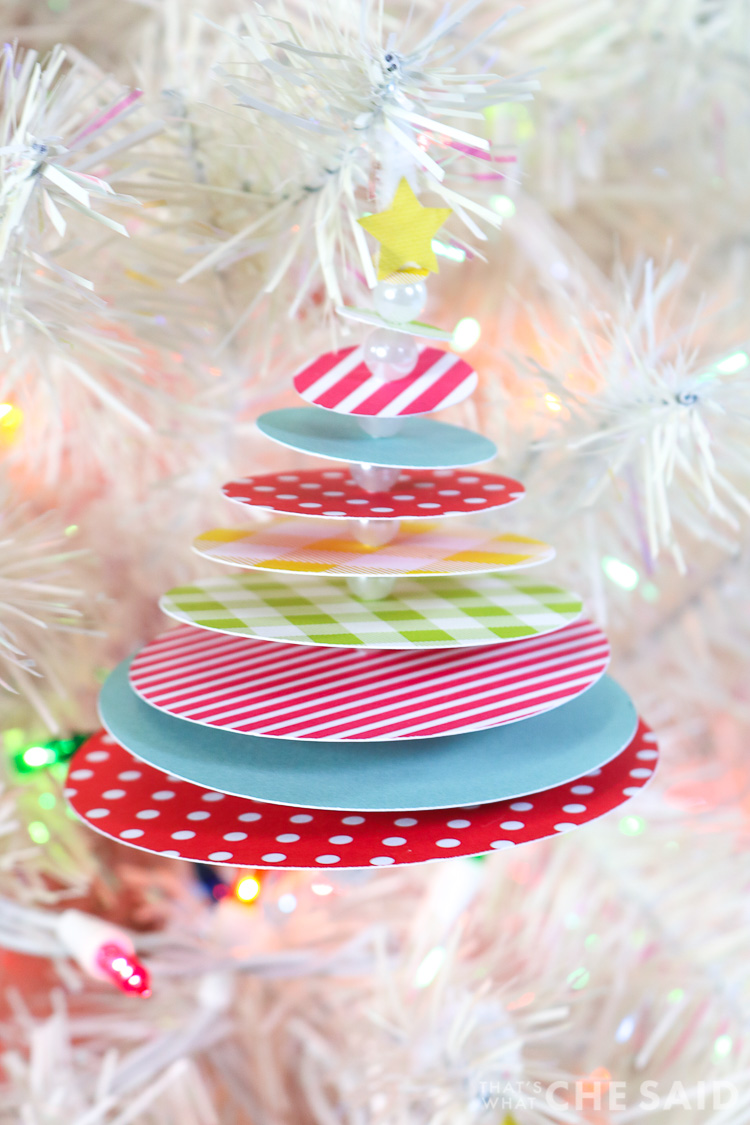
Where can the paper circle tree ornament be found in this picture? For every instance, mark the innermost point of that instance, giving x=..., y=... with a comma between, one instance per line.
x=382, y=683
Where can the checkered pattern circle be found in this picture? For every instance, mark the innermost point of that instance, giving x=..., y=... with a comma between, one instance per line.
x=436, y=612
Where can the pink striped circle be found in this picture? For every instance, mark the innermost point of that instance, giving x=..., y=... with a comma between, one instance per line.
x=341, y=381
x=344, y=694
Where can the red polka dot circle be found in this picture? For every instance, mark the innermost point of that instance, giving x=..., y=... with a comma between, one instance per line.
x=417, y=494
x=127, y=800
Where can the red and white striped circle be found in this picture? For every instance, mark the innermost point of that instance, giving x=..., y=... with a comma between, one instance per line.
x=345, y=694
x=341, y=381
x=129, y=801
x=417, y=494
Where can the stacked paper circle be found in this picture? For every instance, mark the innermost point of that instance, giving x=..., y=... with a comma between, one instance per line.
x=386, y=681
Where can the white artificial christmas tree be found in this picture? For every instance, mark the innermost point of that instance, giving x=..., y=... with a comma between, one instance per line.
x=597, y=265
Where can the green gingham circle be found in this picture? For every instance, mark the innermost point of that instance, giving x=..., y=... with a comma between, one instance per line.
x=434, y=612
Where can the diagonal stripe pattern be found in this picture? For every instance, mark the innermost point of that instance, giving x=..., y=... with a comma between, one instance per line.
x=258, y=687
x=341, y=381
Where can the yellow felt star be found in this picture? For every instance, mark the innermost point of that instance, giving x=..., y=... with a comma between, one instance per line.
x=405, y=232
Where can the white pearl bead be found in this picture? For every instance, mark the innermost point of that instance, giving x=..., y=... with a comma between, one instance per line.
x=390, y=355
x=375, y=533
x=379, y=427
x=399, y=303
x=374, y=478
x=369, y=588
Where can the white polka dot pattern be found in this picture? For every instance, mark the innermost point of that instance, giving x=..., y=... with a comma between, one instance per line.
x=416, y=494
x=247, y=833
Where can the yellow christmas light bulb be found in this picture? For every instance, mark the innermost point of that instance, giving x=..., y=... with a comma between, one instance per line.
x=10, y=419
x=405, y=232
x=247, y=889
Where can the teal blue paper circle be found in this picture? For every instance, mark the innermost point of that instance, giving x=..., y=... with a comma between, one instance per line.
x=421, y=443
x=465, y=769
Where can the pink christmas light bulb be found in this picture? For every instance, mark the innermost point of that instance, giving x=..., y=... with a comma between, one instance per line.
x=122, y=968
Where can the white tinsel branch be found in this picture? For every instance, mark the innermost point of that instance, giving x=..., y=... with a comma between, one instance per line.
x=342, y=110
x=652, y=413
x=38, y=606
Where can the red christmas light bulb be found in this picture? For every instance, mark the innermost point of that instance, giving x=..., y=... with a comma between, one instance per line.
x=123, y=969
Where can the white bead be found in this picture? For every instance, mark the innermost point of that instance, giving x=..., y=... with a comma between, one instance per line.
x=400, y=303
x=390, y=355
x=374, y=478
x=379, y=427
x=375, y=533
x=370, y=588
